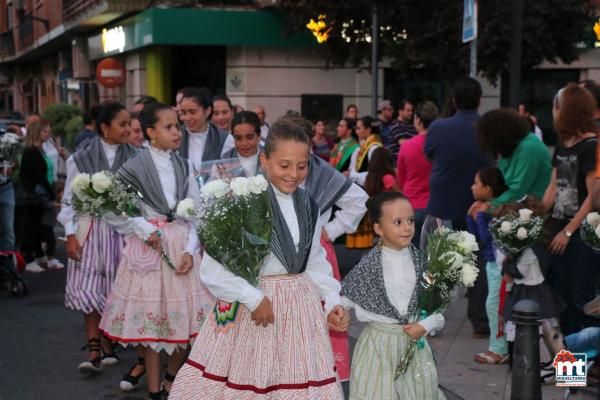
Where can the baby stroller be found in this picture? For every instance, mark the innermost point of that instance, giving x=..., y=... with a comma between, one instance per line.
x=11, y=262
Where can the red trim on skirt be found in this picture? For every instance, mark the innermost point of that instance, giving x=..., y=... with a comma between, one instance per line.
x=140, y=340
x=268, y=389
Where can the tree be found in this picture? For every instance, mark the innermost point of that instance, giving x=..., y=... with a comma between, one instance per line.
x=426, y=35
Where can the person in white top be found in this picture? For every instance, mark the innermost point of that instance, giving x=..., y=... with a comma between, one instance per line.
x=278, y=344
x=246, y=133
x=367, y=130
x=384, y=290
x=157, y=303
x=222, y=112
x=93, y=248
x=264, y=126
x=201, y=141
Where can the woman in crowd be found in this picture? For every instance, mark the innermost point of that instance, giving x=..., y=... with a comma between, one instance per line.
x=222, y=112
x=246, y=133
x=574, y=266
x=36, y=177
x=523, y=159
x=342, y=151
x=201, y=141
x=136, y=136
x=320, y=143
x=93, y=248
x=367, y=130
x=413, y=168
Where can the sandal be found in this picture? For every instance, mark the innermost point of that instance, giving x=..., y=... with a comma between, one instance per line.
x=491, y=358
x=111, y=358
x=169, y=378
x=129, y=381
x=94, y=365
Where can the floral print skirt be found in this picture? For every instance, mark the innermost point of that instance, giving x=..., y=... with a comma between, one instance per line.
x=150, y=304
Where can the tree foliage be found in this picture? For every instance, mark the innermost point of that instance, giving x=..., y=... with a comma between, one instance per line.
x=426, y=34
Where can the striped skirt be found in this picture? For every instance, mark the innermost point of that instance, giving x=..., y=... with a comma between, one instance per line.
x=151, y=305
x=89, y=282
x=288, y=360
x=379, y=349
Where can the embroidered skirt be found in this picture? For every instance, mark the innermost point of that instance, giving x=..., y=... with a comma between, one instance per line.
x=90, y=281
x=339, y=340
x=290, y=359
x=150, y=304
x=379, y=349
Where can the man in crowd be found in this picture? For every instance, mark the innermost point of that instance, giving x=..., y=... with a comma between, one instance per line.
x=403, y=128
x=140, y=103
x=385, y=113
x=264, y=127
x=352, y=112
x=452, y=146
x=87, y=133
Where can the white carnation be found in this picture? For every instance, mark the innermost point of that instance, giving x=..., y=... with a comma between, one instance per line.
x=101, y=182
x=185, y=208
x=593, y=218
x=597, y=231
x=240, y=186
x=468, y=242
x=455, y=258
x=468, y=275
x=215, y=189
x=525, y=214
x=522, y=233
x=505, y=227
x=80, y=183
x=258, y=184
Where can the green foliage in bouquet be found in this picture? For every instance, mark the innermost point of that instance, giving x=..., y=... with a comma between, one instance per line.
x=102, y=192
x=235, y=227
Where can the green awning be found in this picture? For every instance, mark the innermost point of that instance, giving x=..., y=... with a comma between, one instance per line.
x=196, y=26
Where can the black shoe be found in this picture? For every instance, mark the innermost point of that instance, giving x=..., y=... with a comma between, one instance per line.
x=168, y=378
x=95, y=365
x=130, y=382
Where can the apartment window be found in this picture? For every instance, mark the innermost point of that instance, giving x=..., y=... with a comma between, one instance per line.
x=9, y=16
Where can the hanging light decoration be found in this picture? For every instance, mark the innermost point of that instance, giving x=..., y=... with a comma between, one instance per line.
x=319, y=28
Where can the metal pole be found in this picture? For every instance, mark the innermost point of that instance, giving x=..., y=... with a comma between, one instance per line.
x=374, y=61
x=473, y=59
x=526, y=382
x=516, y=22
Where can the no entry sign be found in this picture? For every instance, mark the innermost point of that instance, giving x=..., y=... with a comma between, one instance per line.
x=110, y=73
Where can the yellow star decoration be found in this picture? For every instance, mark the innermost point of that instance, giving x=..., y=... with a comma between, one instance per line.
x=319, y=28
x=597, y=29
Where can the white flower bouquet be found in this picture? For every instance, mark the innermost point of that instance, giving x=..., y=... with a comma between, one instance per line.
x=451, y=263
x=514, y=232
x=590, y=230
x=100, y=193
x=235, y=224
x=10, y=146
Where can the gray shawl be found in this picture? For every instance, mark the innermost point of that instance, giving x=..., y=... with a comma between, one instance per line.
x=233, y=153
x=91, y=158
x=365, y=286
x=324, y=183
x=141, y=174
x=214, y=143
x=282, y=244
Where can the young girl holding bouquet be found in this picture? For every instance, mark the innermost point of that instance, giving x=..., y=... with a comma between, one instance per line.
x=277, y=345
x=93, y=248
x=489, y=184
x=158, y=300
x=384, y=290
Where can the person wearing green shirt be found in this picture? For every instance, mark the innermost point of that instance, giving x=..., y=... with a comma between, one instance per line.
x=523, y=158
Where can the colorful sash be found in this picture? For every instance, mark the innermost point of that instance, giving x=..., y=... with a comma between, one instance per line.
x=363, y=152
x=342, y=152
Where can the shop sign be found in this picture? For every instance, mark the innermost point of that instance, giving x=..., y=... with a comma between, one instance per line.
x=113, y=39
x=110, y=73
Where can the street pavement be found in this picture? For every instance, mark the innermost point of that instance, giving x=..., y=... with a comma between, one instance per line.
x=41, y=342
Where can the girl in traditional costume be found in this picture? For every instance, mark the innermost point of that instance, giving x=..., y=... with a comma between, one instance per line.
x=384, y=290
x=93, y=248
x=277, y=345
x=367, y=130
x=158, y=300
x=245, y=128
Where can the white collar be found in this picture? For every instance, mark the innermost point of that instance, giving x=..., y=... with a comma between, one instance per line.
x=396, y=253
x=159, y=153
x=197, y=134
x=110, y=146
x=280, y=194
x=253, y=156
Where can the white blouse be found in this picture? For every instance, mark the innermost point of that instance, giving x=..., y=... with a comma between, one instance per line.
x=528, y=265
x=359, y=177
x=249, y=164
x=400, y=281
x=226, y=286
x=198, y=143
x=110, y=151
